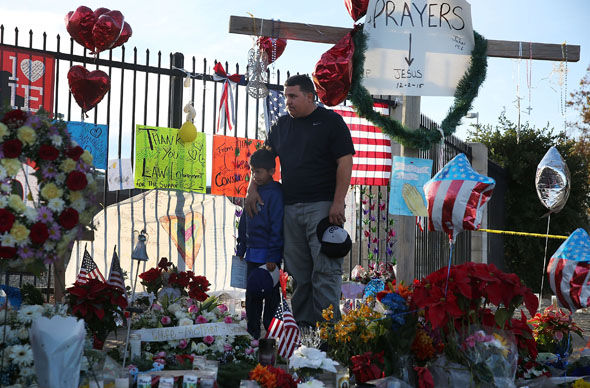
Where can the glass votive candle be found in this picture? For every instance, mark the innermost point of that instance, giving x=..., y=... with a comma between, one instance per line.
x=267, y=351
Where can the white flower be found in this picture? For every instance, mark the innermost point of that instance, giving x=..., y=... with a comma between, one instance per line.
x=31, y=214
x=5, y=187
x=218, y=346
x=79, y=205
x=313, y=383
x=60, y=179
x=29, y=312
x=3, y=200
x=209, y=315
x=56, y=204
x=21, y=354
x=8, y=240
x=26, y=372
x=173, y=343
x=174, y=307
x=3, y=173
x=56, y=140
x=8, y=335
x=185, y=322
x=199, y=348
x=304, y=357
x=23, y=333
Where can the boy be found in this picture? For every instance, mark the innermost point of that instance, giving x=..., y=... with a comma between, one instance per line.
x=260, y=241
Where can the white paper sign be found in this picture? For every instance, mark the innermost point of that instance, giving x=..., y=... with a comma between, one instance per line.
x=238, y=273
x=192, y=331
x=120, y=174
x=417, y=48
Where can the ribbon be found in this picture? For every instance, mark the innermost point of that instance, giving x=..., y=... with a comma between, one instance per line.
x=226, y=102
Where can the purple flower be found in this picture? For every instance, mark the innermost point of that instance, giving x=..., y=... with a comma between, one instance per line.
x=243, y=315
x=54, y=233
x=375, y=250
x=53, y=131
x=389, y=251
x=372, y=218
x=33, y=121
x=49, y=172
x=44, y=214
x=239, y=212
x=25, y=252
x=366, y=211
x=49, y=259
x=254, y=343
x=249, y=350
x=156, y=307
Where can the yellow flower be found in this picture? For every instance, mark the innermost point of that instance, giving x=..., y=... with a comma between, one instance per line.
x=580, y=383
x=15, y=202
x=50, y=191
x=26, y=134
x=86, y=157
x=3, y=130
x=68, y=165
x=19, y=232
x=75, y=195
x=11, y=165
x=328, y=314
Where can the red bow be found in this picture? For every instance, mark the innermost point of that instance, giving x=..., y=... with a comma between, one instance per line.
x=226, y=102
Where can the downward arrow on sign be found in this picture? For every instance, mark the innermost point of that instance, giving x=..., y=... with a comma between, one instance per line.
x=409, y=58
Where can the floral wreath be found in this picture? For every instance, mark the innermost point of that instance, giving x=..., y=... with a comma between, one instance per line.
x=36, y=231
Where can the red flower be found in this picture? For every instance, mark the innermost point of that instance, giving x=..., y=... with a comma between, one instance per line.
x=69, y=218
x=6, y=220
x=365, y=366
x=75, y=152
x=15, y=118
x=425, y=379
x=7, y=252
x=39, y=233
x=150, y=275
x=164, y=263
x=12, y=148
x=76, y=180
x=48, y=152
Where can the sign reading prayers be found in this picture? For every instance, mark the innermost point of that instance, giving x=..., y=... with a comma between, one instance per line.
x=192, y=331
x=26, y=79
x=163, y=161
x=417, y=48
x=230, y=174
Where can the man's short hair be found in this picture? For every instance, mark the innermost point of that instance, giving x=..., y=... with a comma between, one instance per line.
x=305, y=83
x=262, y=158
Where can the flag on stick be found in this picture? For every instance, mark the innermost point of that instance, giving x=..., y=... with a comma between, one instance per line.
x=116, y=274
x=88, y=270
x=284, y=329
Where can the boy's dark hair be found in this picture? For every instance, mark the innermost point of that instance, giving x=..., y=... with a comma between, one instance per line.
x=305, y=83
x=262, y=158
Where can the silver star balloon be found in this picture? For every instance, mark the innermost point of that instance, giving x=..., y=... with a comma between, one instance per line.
x=552, y=181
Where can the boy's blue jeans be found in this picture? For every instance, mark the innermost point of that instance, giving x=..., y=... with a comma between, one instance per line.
x=254, y=306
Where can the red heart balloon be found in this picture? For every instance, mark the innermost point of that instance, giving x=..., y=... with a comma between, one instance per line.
x=79, y=24
x=333, y=72
x=356, y=8
x=100, y=11
x=107, y=29
x=266, y=44
x=125, y=35
x=88, y=87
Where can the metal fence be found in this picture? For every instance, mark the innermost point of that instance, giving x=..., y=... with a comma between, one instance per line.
x=147, y=89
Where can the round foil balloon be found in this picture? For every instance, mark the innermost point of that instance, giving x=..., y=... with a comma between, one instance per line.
x=552, y=181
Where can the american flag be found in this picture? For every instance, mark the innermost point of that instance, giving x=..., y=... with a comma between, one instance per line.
x=569, y=271
x=274, y=107
x=455, y=197
x=116, y=273
x=88, y=270
x=284, y=328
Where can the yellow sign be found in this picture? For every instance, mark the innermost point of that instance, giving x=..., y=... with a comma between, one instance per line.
x=163, y=161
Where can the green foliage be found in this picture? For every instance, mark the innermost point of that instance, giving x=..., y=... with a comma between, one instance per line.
x=229, y=375
x=31, y=294
x=523, y=209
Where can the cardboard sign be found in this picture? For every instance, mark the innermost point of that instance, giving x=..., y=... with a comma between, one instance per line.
x=26, y=79
x=163, y=161
x=230, y=174
x=192, y=331
x=408, y=176
x=91, y=137
x=417, y=48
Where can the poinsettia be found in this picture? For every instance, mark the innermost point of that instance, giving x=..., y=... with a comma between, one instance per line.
x=166, y=275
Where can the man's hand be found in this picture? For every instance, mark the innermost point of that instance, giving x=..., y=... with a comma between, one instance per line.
x=336, y=214
x=271, y=266
x=252, y=200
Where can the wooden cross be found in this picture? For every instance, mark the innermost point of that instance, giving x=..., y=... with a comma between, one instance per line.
x=409, y=114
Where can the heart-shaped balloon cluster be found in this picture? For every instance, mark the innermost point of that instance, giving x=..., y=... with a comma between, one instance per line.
x=88, y=87
x=273, y=47
x=98, y=30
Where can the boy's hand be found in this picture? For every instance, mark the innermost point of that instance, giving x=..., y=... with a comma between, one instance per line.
x=271, y=266
x=252, y=200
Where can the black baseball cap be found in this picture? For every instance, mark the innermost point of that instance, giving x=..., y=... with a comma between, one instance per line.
x=334, y=238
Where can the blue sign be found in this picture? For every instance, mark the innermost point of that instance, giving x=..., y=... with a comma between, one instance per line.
x=91, y=137
x=408, y=176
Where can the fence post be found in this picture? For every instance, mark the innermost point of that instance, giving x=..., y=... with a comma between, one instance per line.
x=479, y=240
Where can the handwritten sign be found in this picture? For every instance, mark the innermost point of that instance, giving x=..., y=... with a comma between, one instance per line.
x=192, y=331
x=417, y=48
x=26, y=79
x=120, y=174
x=408, y=176
x=230, y=174
x=163, y=161
x=91, y=137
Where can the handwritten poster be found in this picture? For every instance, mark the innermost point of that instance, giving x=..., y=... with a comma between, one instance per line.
x=230, y=174
x=408, y=176
x=26, y=79
x=91, y=137
x=120, y=174
x=163, y=161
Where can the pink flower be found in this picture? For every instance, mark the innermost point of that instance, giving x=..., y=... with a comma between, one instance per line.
x=228, y=319
x=161, y=354
x=254, y=343
x=182, y=344
x=165, y=320
x=222, y=308
x=227, y=348
x=201, y=319
x=558, y=335
x=249, y=350
x=156, y=307
x=193, y=308
x=209, y=339
x=243, y=314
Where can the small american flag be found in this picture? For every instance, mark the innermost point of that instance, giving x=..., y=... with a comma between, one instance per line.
x=372, y=160
x=274, y=107
x=284, y=328
x=116, y=274
x=88, y=270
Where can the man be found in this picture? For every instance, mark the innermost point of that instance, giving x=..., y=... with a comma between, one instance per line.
x=315, y=150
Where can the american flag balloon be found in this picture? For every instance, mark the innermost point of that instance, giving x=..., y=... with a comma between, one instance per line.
x=569, y=271
x=455, y=197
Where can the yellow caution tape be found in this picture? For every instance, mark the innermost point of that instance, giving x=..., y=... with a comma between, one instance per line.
x=523, y=234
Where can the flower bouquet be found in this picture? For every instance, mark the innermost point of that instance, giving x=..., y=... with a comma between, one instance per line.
x=367, y=366
x=271, y=377
x=552, y=330
x=165, y=281
x=310, y=362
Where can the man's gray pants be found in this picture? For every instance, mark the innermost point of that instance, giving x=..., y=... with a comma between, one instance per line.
x=317, y=278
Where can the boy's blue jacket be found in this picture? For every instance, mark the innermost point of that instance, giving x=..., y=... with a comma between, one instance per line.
x=260, y=238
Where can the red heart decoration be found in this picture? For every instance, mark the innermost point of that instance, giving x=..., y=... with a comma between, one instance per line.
x=88, y=87
x=266, y=44
x=107, y=29
x=356, y=8
x=79, y=24
x=100, y=11
x=125, y=35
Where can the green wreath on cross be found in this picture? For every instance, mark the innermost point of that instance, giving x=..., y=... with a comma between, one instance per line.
x=419, y=138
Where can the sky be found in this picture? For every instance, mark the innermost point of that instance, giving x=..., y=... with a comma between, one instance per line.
x=200, y=28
